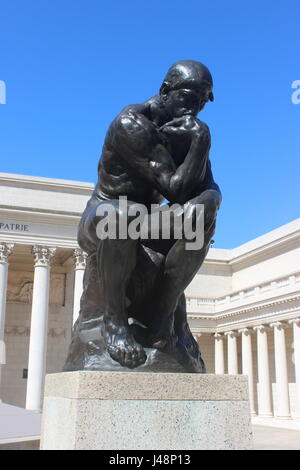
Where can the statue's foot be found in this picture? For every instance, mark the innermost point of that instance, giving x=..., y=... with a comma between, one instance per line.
x=167, y=345
x=164, y=341
x=121, y=345
x=188, y=355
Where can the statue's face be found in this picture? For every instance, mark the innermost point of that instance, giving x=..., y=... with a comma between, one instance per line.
x=187, y=101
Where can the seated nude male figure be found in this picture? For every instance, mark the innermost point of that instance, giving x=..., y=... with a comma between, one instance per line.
x=153, y=151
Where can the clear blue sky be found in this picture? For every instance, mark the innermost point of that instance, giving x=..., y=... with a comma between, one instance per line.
x=71, y=65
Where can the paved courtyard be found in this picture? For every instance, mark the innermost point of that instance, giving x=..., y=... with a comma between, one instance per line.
x=265, y=438
x=271, y=438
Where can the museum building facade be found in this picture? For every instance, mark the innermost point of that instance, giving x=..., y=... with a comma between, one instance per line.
x=243, y=305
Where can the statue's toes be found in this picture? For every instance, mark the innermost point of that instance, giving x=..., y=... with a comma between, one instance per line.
x=114, y=353
x=142, y=356
x=137, y=357
x=134, y=359
x=128, y=357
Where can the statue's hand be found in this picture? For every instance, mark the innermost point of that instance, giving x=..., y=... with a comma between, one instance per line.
x=187, y=125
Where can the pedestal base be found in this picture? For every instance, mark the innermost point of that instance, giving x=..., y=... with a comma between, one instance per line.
x=157, y=411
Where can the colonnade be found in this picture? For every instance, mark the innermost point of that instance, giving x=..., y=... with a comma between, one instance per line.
x=42, y=256
x=278, y=328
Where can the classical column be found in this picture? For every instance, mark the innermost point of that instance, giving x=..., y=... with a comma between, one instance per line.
x=264, y=384
x=39, y=326
x=80, y=262
x=247, y=364
x=5, y=251
x=296, y=330
x=219, y=353
x=232, y=352
x=197, y=336
x=282, y=385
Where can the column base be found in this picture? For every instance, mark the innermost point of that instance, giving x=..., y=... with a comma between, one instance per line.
x=90, y=410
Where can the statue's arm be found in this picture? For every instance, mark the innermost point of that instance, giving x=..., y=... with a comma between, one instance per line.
x=195, y=170
x=209, y=182
x=137, y=141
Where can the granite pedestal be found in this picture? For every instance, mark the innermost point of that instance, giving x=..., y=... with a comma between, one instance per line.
x=157, y=411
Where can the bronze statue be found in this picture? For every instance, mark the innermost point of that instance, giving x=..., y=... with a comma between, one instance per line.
x=152, y=151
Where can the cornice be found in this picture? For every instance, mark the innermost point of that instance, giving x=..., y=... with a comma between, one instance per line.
x=257, y=248
x=252, y=308
x=258, y=306
x=30, y=240
x=21, y=211
x=44, y=183
x=255, y=294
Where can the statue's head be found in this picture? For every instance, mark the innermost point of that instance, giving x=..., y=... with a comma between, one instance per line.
x=186, y=88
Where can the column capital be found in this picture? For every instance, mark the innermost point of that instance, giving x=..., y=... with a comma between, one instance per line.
x=219, y=336
x=278, y=324
x=197, y=335
x=5, y=251
x=294, y=320
x=42, y=255
x=231, y=333
x=246, y=331
x=80, y=258
x=261, y=328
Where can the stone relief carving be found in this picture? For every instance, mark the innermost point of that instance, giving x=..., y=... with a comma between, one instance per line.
x=17, y=330
x=22, y=292
x=20, y=287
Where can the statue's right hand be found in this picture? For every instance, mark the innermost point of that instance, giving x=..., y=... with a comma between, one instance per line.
x=183, y=121
x=186, y=124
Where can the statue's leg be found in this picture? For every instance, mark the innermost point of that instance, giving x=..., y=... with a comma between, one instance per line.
x=116, y=261
x=181, y=265
x=88, y=320
x=189, y=354
x=143, y=286
x=105, y=285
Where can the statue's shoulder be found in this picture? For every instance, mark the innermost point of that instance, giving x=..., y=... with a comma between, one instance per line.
x=133, y=115
x=204, y=130
x=203, y=125
x=120, y=119
x=134, y=109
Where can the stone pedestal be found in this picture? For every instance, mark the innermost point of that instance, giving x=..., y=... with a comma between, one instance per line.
x=156, y=411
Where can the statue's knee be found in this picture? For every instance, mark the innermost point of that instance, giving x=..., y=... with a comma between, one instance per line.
x=128, y=211
x=210, y=214
x=211, y=206
x=116, y=223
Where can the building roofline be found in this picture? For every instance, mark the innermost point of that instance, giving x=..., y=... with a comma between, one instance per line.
x=42, y=181
x=274, y=239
